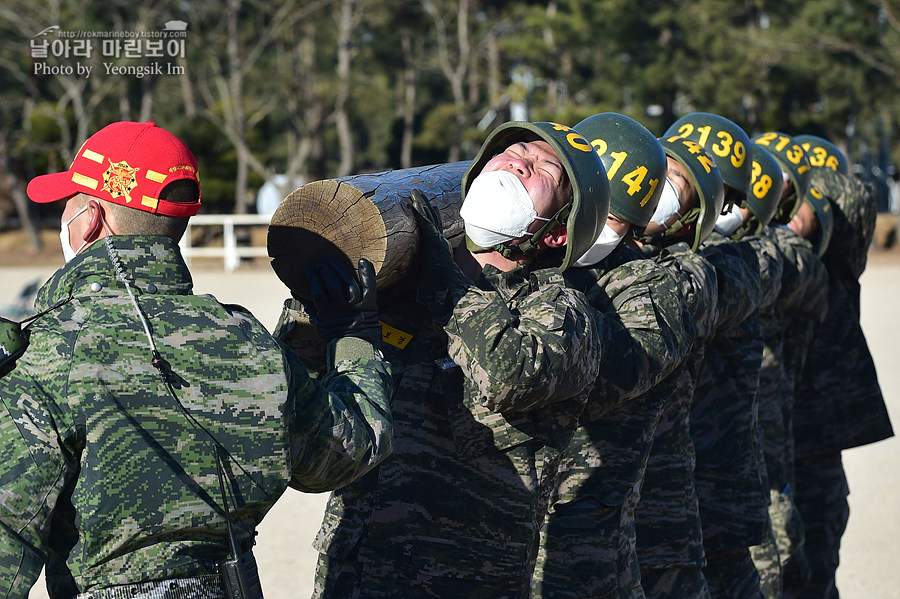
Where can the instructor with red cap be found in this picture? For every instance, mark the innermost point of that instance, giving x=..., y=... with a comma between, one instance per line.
x=146, y=431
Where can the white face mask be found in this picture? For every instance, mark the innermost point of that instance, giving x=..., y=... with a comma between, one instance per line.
x=603, y=247
x=68, y=252
x=669, y=204
x=497, y=209
x=730, y=222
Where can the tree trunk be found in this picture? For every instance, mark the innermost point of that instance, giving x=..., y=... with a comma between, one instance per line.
x=408, y=104
x=362, y=216
x=346, y=25
x=10, y=183
x=236, y=93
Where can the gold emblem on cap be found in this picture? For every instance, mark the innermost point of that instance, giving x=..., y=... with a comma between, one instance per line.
x=119, y=179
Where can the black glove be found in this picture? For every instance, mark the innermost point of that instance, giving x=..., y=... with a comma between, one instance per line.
x=344, y=307
x=443, y=283
x=433, y=246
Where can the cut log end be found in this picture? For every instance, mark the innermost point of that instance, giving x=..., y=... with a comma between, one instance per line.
x=324, y=219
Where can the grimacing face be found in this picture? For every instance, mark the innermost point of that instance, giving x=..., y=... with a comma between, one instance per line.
x=539, y=169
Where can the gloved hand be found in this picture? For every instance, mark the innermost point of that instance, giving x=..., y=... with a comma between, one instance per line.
x=432, y=242
x=12, y=343
x=344, y=306
x=443, y=282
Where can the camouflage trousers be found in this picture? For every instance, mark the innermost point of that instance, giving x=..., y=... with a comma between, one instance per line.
x=587, y=550
x=821, y=497
x=767, y=559
x=335, y=576
x=730, y=574
x=783, y=546
x=340, y=579
x=787, y=524
x=674, y=583
x=200, y=587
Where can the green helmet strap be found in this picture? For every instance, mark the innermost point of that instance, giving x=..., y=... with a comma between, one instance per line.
x=785, y=207
x=683, y=221
x=528, y=248
x=477, y=249
x=747, y=228
x=687, y=218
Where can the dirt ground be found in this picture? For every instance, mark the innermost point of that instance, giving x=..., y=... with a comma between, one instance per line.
x=871, y=545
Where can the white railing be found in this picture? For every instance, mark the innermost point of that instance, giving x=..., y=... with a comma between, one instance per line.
x=229, y=251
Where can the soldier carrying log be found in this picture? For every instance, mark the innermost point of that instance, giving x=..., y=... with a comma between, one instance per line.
x=494, y=368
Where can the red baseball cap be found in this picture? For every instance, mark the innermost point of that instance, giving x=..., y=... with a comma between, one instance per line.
x=126, y=163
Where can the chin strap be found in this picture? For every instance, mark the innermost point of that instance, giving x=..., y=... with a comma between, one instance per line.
x=688, y=218
x=526, y=249
x=751, y=227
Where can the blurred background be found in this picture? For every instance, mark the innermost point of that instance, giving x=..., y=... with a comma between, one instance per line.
x=272, y=94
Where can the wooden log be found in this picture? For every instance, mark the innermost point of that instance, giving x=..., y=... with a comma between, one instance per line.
x=362, y=216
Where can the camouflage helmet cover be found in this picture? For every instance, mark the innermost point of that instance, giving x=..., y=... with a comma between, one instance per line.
x=634, y=161
x=707, y=180
x=590, y=197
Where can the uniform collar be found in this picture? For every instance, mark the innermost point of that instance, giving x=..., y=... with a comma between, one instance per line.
x=152, y=263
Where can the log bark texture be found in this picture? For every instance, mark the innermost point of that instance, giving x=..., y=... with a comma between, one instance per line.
x=362, y=216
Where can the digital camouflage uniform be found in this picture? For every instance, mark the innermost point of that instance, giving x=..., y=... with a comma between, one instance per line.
x=483, y=410
x=801, y=302
x=669, y=533
x=838, y=402
x=106, y=472
x=588, y=540
x=729, y=473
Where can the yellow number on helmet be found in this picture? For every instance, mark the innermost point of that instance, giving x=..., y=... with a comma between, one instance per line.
x=600, y=145
x=723, y=149
x=685, y=130
x=766, y=138
x=653, y=184
x=740, y=154
x=762, y=186
x=634, y=179
x=618, y=159
x=578, y=142
x=794, y=154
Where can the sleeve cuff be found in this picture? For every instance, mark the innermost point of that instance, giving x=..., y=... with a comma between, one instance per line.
x=351, y=348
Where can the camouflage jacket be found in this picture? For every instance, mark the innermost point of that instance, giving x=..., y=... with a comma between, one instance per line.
x=801, y=303
x=667, y=518
x=729, y=474
x=112, y=471
x=646, y=332
x=841, y=407
x=482, y=411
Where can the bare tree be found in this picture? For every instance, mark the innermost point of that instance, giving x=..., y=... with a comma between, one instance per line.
x=453, y=59
x=411, y=49
x=349, y=16
x=221, y=87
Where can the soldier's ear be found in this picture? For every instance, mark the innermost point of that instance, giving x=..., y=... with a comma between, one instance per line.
x=556, y=238
x=95, y=221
